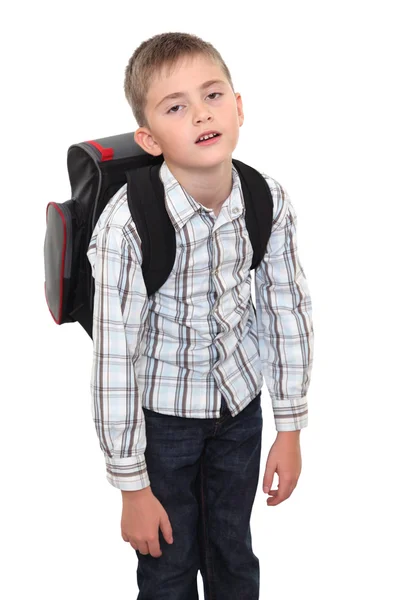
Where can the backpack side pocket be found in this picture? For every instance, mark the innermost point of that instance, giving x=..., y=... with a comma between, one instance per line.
x=58, y=258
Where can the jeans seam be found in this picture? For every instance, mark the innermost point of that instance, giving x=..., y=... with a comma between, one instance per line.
x=208, y=566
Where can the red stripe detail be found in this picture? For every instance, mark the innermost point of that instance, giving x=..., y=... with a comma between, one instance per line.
x=62, y=262
x=106, y=153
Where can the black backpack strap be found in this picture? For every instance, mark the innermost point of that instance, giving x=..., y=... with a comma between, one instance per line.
x=259, y=208
x=146, y=201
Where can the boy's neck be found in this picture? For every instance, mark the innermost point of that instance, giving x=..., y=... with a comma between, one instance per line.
x=209, y=187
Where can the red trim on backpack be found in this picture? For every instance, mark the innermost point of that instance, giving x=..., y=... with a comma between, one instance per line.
x=106, y=153
x=62, y=262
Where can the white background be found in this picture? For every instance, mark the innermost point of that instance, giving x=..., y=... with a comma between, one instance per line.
x=319, y=82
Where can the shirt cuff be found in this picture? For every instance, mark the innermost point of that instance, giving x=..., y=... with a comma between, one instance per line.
x=290, y=414
x=127, y=473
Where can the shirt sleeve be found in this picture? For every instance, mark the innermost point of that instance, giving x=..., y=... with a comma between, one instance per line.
x=284, y=318
x=119, y=312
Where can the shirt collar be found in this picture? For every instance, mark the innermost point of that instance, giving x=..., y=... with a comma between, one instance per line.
x=181, y=206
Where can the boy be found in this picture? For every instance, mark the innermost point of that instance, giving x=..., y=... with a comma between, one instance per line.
x=177, y=377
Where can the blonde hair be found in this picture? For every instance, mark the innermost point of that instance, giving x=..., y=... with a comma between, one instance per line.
x=159, y=51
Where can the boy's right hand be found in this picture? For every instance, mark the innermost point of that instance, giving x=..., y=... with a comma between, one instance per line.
x=142, y=515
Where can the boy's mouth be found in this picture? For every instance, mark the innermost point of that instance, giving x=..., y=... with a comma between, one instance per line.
x=208, y=135
x=212, y=139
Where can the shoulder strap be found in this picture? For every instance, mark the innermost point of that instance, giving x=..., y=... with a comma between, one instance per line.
x=147, y=206
x=259, y=209
x=146, y=203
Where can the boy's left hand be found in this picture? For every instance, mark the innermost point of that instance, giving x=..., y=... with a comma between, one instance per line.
x=284, y=458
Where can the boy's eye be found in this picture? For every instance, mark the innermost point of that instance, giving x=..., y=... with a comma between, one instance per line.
x=177, y=105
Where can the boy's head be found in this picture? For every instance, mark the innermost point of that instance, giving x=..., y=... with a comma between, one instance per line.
x=169, y=63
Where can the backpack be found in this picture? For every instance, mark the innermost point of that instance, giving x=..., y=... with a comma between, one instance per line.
x=97, y=170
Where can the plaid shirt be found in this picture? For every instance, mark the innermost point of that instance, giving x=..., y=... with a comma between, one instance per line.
x=198, y=336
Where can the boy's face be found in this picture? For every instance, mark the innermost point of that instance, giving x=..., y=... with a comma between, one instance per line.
x=173, y=133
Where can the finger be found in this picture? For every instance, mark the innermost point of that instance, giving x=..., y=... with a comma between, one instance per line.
x=155, y=549
x=274, y=501
x=166, y=529
x=282, y=493
x=143, y=548
x=134, y=545
x=268, y=478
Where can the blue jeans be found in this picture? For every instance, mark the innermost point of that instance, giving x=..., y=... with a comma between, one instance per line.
x=205, y=473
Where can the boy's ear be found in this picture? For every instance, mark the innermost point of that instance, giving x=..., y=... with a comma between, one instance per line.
x=239, y=103
x=145, y=140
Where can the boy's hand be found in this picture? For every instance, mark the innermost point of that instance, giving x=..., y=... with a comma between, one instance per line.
x=142, y=516
x=284, y=458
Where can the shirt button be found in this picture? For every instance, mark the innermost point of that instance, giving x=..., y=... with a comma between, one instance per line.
x=235, y=210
